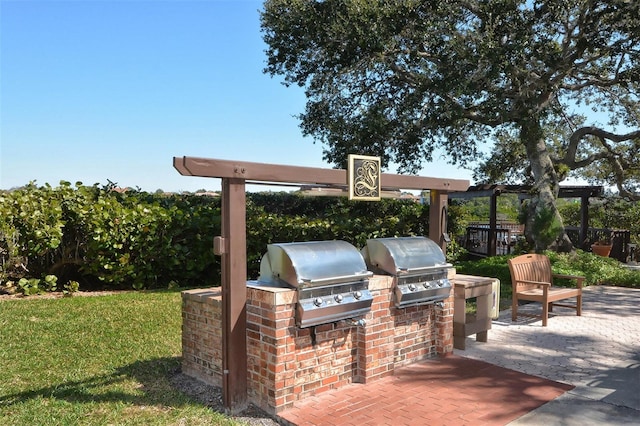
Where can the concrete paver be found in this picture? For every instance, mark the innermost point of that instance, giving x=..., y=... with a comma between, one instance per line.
x=598, y=353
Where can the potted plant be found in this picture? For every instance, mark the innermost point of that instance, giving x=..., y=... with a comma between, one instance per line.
x=601, y=248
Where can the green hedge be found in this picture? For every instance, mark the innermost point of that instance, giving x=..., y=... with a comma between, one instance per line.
x=102, y=238
x=95, y=236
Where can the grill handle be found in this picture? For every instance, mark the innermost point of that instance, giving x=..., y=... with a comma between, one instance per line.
x=330, y=280
x=423, y=269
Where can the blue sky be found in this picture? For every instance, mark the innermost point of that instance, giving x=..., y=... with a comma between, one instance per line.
x=97, y=91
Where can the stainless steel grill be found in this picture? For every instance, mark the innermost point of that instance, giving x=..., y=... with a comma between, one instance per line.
x=418, y=265
x=331, y=279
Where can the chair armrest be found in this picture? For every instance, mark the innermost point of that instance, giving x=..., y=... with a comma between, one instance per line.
x=542, y=283
x=578, y=278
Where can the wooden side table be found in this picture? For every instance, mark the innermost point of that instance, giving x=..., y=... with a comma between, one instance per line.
x=467, y=287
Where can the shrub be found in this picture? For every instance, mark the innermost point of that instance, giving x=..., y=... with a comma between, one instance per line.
x=595, y=269
x=495, y=267
x=94, y=236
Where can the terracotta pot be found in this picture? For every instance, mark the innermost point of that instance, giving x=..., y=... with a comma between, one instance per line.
x=601, y=249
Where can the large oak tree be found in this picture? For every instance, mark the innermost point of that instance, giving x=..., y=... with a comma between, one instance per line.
x=401, y=79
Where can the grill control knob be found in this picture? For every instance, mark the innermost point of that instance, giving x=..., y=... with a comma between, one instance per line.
x=412, y=287
x=427, y=285
x=357, y=294
x=318, y=301
x=338, y=298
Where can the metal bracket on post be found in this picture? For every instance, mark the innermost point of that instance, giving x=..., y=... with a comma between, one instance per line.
x=219, y=246
x=438, y=218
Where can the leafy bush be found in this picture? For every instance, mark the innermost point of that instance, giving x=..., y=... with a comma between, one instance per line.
x=286, y=217
x=495, y=267
x=102, y=238
x=98, y=237
x=31, y=229
x=595, y=269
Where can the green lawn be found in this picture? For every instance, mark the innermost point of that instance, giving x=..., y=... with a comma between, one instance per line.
x=102, y=360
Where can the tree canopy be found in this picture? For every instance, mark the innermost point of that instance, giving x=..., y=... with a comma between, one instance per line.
x=400, y=79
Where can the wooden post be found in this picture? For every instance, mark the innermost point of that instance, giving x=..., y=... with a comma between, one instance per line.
x=438, y=218
x=493, y=224
x=584, y=223
x=233, y=251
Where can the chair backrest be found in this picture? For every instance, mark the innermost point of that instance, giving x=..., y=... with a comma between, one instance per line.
x=530, y=267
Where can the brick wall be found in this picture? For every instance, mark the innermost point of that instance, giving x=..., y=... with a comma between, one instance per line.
x=286, y=364
x=202, y=335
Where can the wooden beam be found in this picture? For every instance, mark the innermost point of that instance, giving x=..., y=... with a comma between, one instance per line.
x=278, y=173
x=178, y=164
x=392, y=181
x=211, y=167
x=477, y=191
x=471, y=195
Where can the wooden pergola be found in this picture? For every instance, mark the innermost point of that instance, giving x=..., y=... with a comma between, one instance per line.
x=523, y=191
x=232, y=245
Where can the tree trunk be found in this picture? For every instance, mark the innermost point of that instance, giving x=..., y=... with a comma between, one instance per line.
x=544, y=226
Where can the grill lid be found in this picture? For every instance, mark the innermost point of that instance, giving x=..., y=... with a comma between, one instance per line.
x=312, y=263
x=404, y=255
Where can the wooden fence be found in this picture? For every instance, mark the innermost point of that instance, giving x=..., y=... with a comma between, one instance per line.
x=477, y=239
x=619, y=238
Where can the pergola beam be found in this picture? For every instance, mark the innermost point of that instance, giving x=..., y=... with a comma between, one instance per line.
x=276, y=173
x=566, y=191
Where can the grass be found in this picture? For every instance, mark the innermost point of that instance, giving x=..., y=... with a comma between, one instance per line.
x=107, y=360
x=101, y=360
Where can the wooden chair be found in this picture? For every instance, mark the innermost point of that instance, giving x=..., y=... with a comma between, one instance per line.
x=532, y=280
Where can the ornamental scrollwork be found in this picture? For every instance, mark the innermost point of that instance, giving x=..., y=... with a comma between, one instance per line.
x=366, y=179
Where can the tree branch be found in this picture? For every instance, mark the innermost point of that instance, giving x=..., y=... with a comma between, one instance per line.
x=608, y=153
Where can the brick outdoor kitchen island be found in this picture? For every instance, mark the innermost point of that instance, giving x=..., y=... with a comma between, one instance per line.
x=285, y=364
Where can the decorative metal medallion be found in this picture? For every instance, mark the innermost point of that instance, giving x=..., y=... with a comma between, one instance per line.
x=364, y=178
